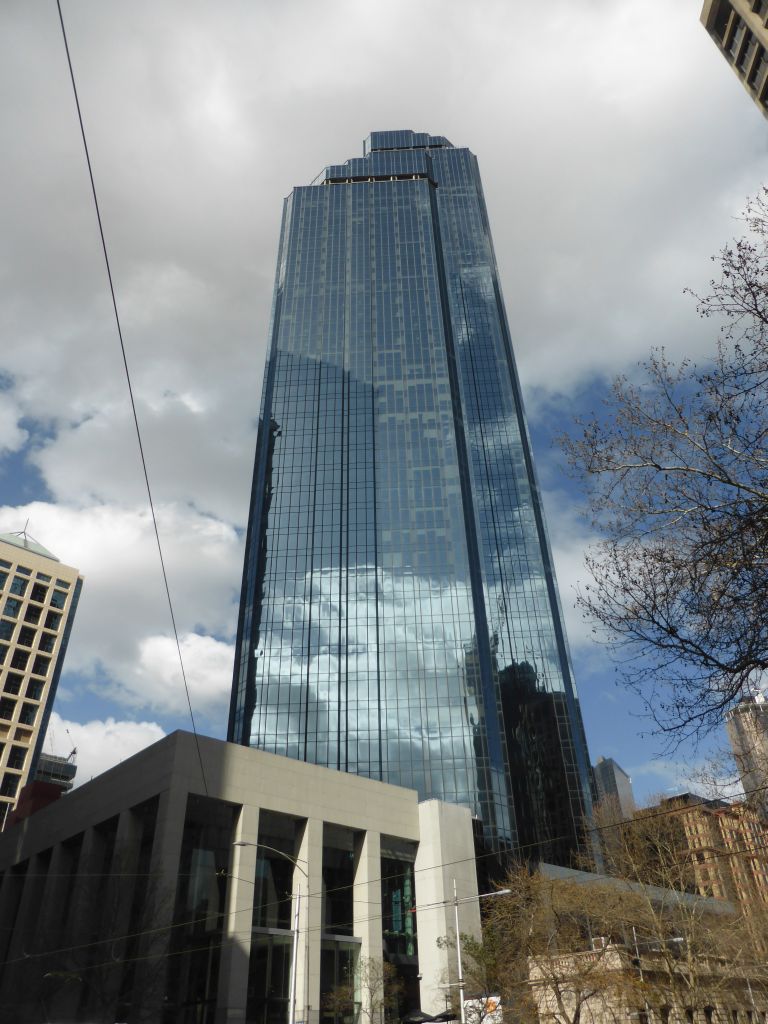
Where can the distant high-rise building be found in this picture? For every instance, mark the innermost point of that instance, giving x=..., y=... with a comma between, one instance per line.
x=727, y=844
x=614, y=785
x=399, y=616
x=738, y=27
x=747, y=728
x=38, y=599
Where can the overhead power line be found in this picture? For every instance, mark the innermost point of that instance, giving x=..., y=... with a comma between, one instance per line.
x=130, y=389
x=287, y=899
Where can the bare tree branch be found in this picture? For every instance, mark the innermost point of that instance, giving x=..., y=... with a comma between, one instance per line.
x=676, y=470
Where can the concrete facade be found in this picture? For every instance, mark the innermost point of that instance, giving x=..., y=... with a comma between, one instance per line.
x=739, y=29
x=38, y=599
x=129, y=899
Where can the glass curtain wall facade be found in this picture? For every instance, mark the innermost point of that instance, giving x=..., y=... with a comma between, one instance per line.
x=399, y=616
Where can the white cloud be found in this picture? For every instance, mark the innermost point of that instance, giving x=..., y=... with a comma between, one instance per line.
x=713, y=777
x=100, y=744
x=122, y=622
x=157, y=683
x=12, y=436
x=570, y=539
x=187, y=460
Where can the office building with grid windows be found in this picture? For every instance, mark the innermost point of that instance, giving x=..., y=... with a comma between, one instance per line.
x=740, y=31
x=399, y=616
x=38, y=600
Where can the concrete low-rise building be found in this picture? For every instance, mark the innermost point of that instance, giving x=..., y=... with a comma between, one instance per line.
x=173, y=887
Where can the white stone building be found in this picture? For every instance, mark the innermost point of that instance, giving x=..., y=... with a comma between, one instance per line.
x=166, y=890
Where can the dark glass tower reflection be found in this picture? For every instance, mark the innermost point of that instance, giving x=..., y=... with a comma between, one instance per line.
x=399, y=615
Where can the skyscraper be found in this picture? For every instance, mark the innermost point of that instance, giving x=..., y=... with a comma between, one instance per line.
x=38, y=600
x=614, y=785
x=399, y=615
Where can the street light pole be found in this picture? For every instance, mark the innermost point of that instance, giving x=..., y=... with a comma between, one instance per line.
x=458, y=953
x=456, y=902
x=295, y=930
x=294, y=961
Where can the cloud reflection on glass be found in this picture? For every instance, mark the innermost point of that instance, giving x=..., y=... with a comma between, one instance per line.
x=399, y=615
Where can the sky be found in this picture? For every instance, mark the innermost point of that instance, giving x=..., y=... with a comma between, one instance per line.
x=616, y=147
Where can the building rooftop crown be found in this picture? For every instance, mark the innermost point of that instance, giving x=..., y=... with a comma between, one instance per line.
x=21, y=539
x=608, y=761
x=404, y=139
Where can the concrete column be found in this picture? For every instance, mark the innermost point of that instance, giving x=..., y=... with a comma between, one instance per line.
x=116, y=912
x=10, y=893
x=236, y=949
x=51, y=899
x=125, y=859
x=310, y=922
x=83, y=908
x=13, y=976
x=169, y=831
x=150, y=977
x=28, y=909
x=83, y=904
x=54, y=895
x=446, y=852
x=367, y=906
x=367, y=895
x=23, y=975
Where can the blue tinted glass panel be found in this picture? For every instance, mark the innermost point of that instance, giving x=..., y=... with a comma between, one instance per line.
x=399, y=616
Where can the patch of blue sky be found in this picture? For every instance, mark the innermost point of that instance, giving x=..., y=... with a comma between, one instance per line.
x=20, y=479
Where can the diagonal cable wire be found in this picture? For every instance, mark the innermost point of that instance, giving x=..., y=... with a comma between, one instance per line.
x=130, y=391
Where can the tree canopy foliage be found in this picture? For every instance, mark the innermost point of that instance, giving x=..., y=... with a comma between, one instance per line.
x=676, y=468
x=581, y=947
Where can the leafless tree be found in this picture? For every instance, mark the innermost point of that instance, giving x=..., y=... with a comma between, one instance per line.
x=676, y=468
x=698, y=952
x=585, y=948
x=549, y=944
x=370, y=995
